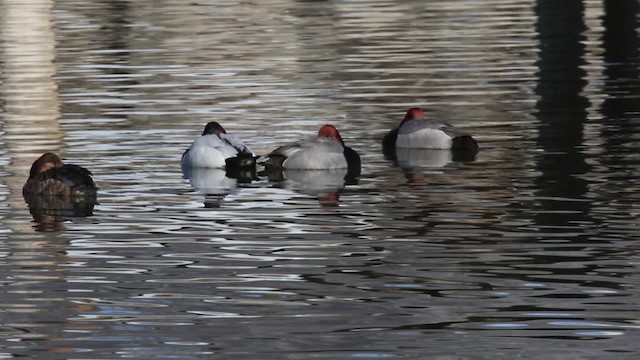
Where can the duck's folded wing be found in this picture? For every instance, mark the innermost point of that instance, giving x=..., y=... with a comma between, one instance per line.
x=74, y=176
x=70, y=176
x=234, y=140
x=418, y=125
x=208, y=144
x=289, y=149
x=275, y=158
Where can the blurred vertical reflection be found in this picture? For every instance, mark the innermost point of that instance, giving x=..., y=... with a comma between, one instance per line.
x=622, y=83
x=107, y=51
x=562, y=113
x=30, y=100
x=621, y=107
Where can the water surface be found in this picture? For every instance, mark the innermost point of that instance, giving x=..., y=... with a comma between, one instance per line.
x=527, y=251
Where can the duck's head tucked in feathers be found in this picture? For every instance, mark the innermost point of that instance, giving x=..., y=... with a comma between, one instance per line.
x=415, y=113
x=45, y=162
x=330, y=131
x=213, y=128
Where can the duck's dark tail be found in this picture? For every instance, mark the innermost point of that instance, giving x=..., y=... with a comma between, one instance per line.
x=465, y=143
x=243, y=160
x=464, y=148
x=241, y=167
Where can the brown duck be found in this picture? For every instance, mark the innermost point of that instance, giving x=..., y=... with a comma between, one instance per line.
x=50, y=176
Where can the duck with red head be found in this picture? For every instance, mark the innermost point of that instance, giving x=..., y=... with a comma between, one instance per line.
x=415, y=131
x=50, y=176
x=217, y=149
x=322, y=152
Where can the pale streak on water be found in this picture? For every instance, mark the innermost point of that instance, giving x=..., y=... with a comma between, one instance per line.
x=530, y=251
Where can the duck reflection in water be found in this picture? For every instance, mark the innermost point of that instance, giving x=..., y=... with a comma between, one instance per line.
x=427, y=158
x=326, y=184
x=418, y=163
x=56, y=192
x=50, y=212
x=216, y=184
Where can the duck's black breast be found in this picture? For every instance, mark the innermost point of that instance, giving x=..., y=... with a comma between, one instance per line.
x=389, y=144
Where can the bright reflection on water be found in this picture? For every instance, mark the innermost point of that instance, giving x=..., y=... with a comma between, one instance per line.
x=527, y=251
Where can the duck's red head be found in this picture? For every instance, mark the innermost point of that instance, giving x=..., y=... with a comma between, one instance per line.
x=330, y=131
x=414, y=113
x=45, y=162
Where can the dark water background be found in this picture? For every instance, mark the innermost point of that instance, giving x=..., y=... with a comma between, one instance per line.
x=529, y=252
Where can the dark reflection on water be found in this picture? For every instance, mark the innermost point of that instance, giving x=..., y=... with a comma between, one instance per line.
x=562, y=114
x=49, y=212
x=527, y=249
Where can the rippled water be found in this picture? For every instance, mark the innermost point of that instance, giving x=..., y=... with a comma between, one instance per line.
x=530, y=251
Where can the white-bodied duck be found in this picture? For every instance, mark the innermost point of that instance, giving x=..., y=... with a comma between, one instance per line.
x=322, y=152
x=217, y=149
x=417, y=132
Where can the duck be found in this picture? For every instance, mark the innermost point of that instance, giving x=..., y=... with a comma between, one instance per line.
x=217, y=149
x=51, y=177
x=416, y=132
x=325, y=151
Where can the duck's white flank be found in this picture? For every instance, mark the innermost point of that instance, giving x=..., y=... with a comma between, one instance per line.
x=211, y=150
x=423, y=134
x=317, y=153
